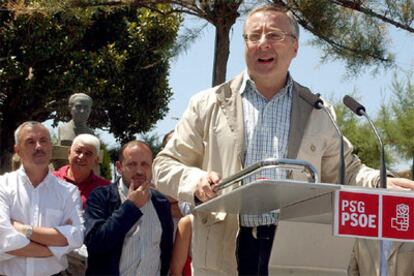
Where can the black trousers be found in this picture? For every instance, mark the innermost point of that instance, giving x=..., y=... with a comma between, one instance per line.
x=254, y=245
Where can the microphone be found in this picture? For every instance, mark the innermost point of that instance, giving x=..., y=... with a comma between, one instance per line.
x=317, y=102
x=360, y=110
x=312, y=99
x=355, y=106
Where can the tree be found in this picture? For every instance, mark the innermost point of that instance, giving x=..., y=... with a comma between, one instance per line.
x=361, y=136
x=397, y=118
x=354, y=31
x=153, y=141
x=222, y=14
x=105, y=166
x=120, y=57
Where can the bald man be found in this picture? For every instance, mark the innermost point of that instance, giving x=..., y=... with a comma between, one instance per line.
x=126, y=219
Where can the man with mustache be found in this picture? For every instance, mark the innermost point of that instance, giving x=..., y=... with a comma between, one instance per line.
x=259, y=114
x=40, y=215
x=129, y=226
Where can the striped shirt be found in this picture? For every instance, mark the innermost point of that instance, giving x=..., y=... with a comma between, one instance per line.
x=141, y=249
x=266, y=131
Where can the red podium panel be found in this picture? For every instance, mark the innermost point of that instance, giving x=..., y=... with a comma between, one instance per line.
x=374, y=214
x=358, y=214
x=398, y=217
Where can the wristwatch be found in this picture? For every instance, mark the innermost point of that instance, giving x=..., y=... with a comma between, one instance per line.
x=28, y=231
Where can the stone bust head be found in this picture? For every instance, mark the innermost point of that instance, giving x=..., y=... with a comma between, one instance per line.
x=80, y=106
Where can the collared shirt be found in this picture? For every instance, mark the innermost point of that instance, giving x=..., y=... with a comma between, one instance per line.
x=85, y=187
x=266, y=131
x=51, y=204
x=141, y=249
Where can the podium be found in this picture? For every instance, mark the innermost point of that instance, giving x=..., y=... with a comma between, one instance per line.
x=304, y=243
x=318, y=222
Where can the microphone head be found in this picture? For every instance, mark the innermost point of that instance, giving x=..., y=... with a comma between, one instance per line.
x=355, y=106
x=312, y=99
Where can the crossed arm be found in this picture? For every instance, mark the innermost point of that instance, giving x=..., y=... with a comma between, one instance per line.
x=41, y=238
x=44, y=241
x=33, y=249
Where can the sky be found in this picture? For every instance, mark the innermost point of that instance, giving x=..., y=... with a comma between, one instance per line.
x=191, y=72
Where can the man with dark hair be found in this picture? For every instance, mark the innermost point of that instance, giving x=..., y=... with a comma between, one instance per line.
x=128, y=225
x=40, y=215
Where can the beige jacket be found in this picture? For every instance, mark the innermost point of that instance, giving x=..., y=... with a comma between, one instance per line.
x=209, y=137
x=365, y=260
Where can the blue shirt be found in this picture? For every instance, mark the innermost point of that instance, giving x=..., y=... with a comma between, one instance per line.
x=266, y=132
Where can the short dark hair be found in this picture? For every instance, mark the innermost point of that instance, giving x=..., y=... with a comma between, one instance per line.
x=26, y=124
x=132, y=144
x=276, y=8
x=166, y=138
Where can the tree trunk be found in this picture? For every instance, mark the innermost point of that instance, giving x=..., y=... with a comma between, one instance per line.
x=224, y=17
x=221, y=53
x=6, y=150
x=412, y=169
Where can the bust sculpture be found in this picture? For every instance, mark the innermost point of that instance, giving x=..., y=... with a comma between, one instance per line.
x=80, y=106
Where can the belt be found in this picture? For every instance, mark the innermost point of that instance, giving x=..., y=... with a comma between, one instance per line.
x=260, y=232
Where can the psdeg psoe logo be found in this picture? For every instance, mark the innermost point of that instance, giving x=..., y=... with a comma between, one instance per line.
x=378, y=214
x=402, y=216
x=397, y=217
x=358, y=214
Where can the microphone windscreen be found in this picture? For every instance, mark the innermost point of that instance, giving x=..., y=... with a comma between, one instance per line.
x=355, y=106
x=312, y=99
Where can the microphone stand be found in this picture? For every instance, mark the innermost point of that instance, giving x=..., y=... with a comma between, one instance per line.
x=359, y=110
x=341, y=149
x=383, y=170
x=316, y=102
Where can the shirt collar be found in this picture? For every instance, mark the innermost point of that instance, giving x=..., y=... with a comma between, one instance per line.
x=89, y=179
x=122, y=188
x=247, y=81
x=22, y=174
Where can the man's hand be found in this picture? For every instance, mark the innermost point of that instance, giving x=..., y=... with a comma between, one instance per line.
x=139, y=196
x=205, y=187
x=20, y=227
x=400, y=184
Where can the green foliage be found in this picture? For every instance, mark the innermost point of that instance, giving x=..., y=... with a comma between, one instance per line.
x=359, y=39
x=361, y=136
x=114, y=153
x=120, y=57
x=397, y=117
x=153, y=141
x=105, y=165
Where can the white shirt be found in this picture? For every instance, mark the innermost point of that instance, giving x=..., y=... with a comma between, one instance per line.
x=141, y=253
x=52, y=203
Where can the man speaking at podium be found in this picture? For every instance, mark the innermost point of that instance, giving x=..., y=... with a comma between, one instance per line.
x=257, y=115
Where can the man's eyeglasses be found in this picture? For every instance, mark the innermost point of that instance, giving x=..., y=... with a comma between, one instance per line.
x=274, y=36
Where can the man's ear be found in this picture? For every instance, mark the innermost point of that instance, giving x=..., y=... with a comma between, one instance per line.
x=118, y=166
x=16, y=150
x=296, y=47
